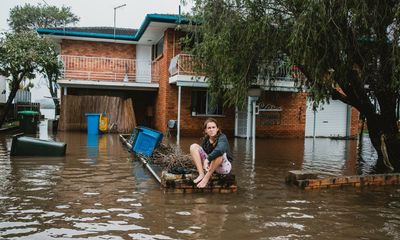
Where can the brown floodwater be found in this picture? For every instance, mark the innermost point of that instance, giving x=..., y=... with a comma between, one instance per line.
x=98, y=191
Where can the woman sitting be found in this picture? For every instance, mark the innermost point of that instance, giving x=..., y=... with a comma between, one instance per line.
x=213, y=155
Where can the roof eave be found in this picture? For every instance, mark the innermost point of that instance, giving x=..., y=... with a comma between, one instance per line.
x=85, y=34
x=175, y=19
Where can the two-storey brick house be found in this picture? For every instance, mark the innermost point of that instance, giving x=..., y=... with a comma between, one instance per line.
x=148, y=66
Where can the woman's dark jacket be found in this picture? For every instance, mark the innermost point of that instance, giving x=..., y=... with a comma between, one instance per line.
x=217, y=149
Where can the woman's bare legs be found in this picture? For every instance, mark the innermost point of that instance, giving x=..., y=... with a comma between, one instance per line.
x=213, y=166
x=194, y=152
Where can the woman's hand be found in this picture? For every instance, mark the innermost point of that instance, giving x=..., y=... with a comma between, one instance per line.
x=206, y=165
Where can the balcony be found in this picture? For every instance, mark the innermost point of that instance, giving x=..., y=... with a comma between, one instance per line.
x=183, y=73
x=182, y=64
x=109, y=69
x=279, y=76
x=276, y=77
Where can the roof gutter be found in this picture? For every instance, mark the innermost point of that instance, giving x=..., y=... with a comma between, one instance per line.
x=84, y=34
x=149, y=18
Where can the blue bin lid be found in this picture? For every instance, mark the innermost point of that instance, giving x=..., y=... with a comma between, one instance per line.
x=92, y=114
x=146, y=129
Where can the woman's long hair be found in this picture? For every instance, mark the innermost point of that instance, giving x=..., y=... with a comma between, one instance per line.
x=213, y=120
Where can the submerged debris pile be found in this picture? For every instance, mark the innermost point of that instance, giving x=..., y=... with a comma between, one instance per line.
x=171, y=159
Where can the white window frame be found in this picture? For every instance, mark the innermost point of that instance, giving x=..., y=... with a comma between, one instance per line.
x=193, y=113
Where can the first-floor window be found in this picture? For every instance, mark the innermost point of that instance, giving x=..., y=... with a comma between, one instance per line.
x=202, y=104
x=158, y=49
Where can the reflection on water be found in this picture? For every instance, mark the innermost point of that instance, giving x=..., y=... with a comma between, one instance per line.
x=339, y=157
x=332, y=157
x=92, y=146
x=99, y=192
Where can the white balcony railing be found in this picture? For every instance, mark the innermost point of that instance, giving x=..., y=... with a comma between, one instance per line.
x=278, y=72
x=109, y=69
x=184, y=64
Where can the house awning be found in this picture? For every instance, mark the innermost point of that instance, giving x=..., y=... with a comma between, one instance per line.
x=108, y=85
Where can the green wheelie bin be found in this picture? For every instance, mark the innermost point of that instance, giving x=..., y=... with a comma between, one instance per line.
x=28, y=121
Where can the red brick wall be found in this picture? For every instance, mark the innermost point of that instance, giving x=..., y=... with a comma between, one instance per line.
x=354, y=122
x=160, y=108
x=192, y=125
x=166, y=107
x=98, y=49
x=292, y=117
x=167, y=99
x=95, y=67
x=293, y=114
x=172, y=40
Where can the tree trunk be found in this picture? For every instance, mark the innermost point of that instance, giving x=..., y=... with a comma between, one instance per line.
x=53, y=94
x=386, y=141
x=8, y=104
x=52, y=79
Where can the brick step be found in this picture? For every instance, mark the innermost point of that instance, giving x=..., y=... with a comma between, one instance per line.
x=183, y=183
x=311, y=180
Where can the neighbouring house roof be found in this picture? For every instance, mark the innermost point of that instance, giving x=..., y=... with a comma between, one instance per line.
x=99, y=30
x=121, y=33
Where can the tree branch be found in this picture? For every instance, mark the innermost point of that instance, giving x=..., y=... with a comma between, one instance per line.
x=336, y=95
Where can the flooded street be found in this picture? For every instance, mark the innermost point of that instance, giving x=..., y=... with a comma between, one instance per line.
x=99, y=192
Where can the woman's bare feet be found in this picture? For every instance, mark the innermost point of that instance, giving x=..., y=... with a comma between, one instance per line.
x=199, y=178
x=203, y=183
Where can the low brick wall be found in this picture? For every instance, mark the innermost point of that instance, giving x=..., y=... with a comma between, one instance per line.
x=310, y=180
x=183, y=183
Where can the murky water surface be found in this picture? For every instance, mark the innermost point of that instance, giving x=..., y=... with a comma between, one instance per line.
x=99, y=192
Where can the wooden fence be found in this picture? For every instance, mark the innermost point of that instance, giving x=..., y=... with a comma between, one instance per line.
x=120, y=111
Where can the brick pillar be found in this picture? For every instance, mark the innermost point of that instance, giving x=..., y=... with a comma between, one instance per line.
x=166, y=101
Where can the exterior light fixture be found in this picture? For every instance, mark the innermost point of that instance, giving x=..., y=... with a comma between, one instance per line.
x=254, y=92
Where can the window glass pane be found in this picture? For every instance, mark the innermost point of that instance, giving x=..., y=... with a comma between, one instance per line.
x=153, y=52
x=157, y=49
x=220, y=107
x=211, y=109
x=216, y=109
x=201, y=102
x=160, y=46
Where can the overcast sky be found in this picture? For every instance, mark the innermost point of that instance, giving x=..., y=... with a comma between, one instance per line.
x=101, y=12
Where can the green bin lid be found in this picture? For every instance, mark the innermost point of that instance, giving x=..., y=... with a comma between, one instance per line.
x=28, y=113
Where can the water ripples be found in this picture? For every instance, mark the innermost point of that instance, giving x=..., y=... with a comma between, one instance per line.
x=101, y=193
